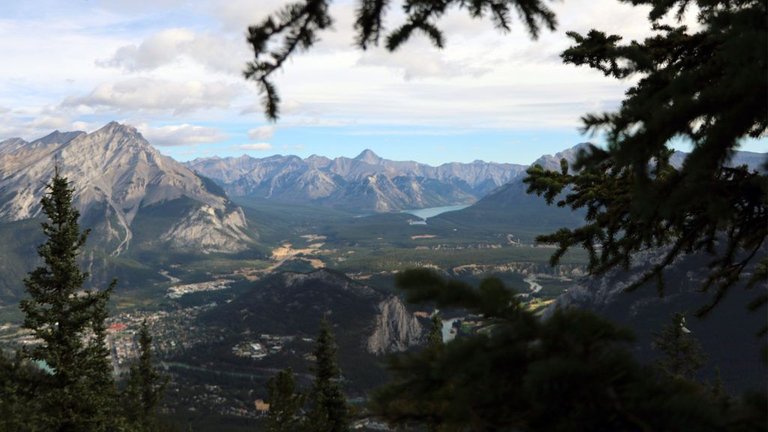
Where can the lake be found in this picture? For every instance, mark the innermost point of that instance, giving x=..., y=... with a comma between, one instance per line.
x=426, y=213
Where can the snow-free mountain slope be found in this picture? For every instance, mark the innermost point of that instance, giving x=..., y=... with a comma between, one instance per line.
x=116, y=174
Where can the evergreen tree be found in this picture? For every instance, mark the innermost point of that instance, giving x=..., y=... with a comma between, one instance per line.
x=704, y=87
x=682, y=355
x=285, y=403
x=570, y=372
x=144, y=389
x=79, y=393
x=435, y=337
x=435, y=344
x=19, y=410
x=328, y=405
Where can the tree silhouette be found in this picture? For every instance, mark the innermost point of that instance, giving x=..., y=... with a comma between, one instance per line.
x=144, y=388
x=706, y=88
x=328, y=406
x=285, y=403
x=682, y=355
x=79, y=393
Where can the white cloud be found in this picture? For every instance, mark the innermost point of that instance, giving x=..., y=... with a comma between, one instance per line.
x=50, y=122
x=213, y=51
x=145, y=94
x=33, y=124
x=420, y=60
x=180, y=135
x=237, y=15
x=184, y=68
x=262, y=133
x=255, y=146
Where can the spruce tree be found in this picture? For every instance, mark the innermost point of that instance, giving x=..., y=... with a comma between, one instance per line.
x=144, y=389
x=78, y=394
x=284, y=403
x=435, y=344
x=682, y=355
x=435, y=338
x=329, y=411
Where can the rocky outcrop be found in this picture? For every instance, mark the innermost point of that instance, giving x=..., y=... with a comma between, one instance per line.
x=396, y=329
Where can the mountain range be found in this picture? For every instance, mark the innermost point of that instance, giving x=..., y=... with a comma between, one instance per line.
x=366, y=183
x=143, y=206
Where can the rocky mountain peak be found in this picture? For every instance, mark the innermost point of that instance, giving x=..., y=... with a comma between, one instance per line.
x=369, y=157
x=114, y=127
x=552, y=162
x=117, y=174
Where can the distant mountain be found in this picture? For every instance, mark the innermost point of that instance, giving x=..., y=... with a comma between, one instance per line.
x=552, y=162
x=364, y=183
x=510, y=209
x=117, y=175
x=130, y=195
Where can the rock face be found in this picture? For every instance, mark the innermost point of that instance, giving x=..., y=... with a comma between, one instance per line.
x=396, y=329
x=118, y=177
x=552, y=162
x=364, y=183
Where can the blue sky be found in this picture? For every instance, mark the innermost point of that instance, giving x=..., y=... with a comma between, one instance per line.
x=172, y=68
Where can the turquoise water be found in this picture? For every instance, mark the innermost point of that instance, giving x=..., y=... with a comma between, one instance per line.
x=426, y=213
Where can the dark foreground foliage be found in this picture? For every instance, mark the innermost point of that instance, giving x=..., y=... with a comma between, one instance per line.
x=570, y=372
x=324, y=407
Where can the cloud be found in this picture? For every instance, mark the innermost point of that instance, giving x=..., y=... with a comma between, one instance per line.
x=255, y=147
x=34, y=124
x=262, y=133
x=180, y=135
x=239, y=14
x=214, y=51
x=420, y=60
x=144, y=94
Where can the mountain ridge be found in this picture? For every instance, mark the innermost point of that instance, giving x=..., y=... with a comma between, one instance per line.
x=366, y=182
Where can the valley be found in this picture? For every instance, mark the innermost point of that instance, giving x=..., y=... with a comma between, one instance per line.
x=233, y=280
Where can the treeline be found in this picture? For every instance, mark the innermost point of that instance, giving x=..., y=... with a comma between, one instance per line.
x=65, y=382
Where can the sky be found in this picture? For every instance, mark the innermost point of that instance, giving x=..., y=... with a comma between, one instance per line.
x=173, y=69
